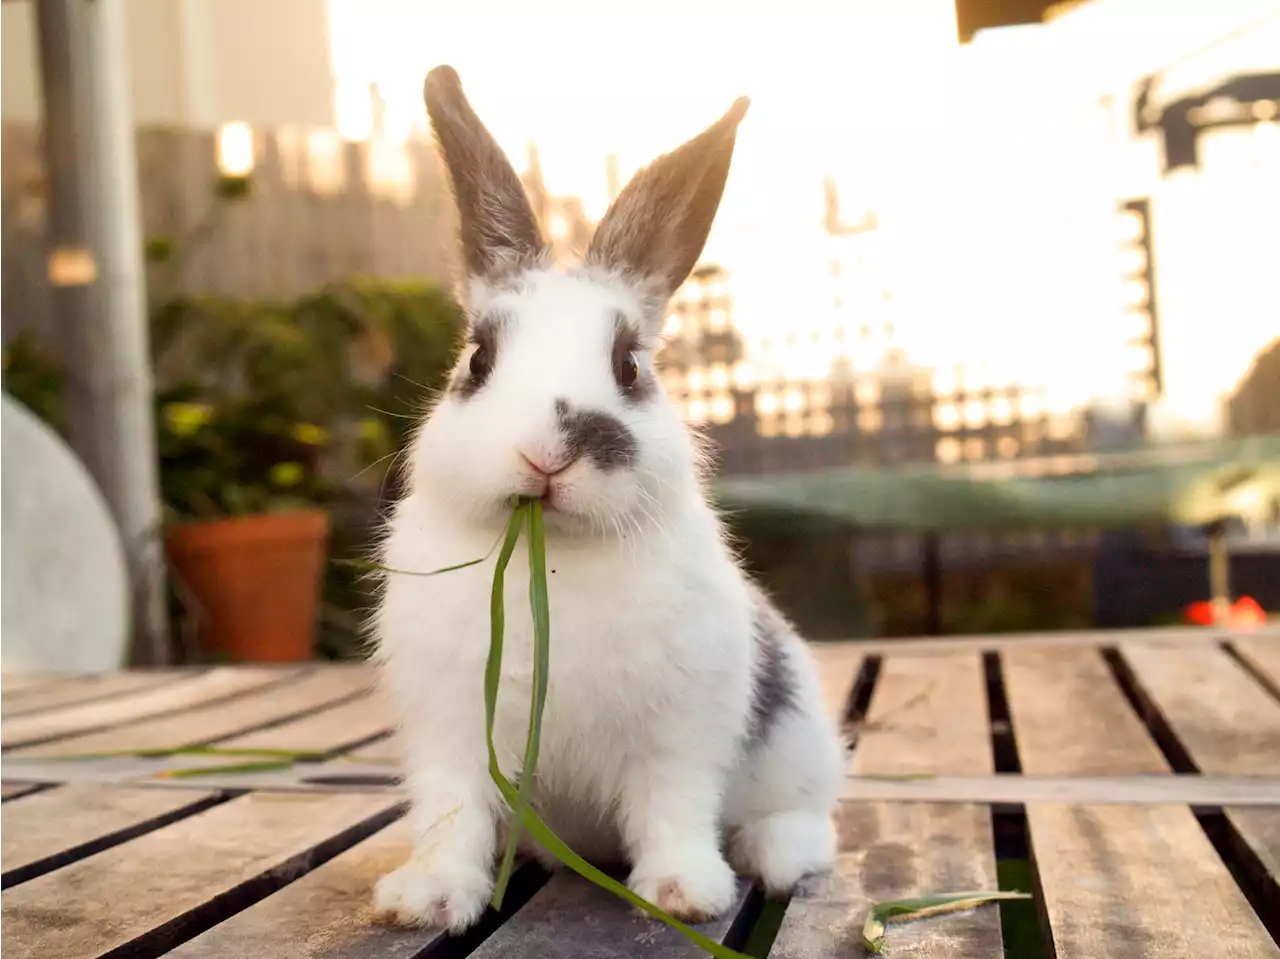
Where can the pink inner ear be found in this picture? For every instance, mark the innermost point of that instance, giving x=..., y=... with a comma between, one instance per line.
x=498, y=231
x=657, y=227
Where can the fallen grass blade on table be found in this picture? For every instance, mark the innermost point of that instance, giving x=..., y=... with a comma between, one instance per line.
x=881, y=914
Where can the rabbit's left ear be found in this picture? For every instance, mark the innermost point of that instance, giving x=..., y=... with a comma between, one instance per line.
x=498, y=229
x=655, y=230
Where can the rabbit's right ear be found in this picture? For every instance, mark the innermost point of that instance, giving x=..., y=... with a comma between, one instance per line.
x=655, y=230
x=498, y=229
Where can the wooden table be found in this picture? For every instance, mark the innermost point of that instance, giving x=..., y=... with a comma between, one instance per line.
x=1139, y=772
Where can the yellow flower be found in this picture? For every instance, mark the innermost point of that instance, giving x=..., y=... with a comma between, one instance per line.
x=371, y=430
x=309, y=434
x=286, y=474
x=185, y=418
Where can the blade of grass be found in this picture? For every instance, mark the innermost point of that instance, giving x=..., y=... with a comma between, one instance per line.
x=540, y=611
x=493, y=672
x=290, y=754
x=905, y=910
x=371, y=567
x=541, y=832
x=266, y=765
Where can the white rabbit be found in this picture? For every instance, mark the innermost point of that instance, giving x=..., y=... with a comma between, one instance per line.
x=683, y=716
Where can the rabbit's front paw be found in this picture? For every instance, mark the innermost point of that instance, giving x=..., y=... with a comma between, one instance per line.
x=437, y=894
x=693, y=888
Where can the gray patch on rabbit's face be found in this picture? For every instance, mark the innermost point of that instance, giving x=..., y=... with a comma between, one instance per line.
x=486, y=334
x=600, y=437
x=626, y=340
x=773, y=687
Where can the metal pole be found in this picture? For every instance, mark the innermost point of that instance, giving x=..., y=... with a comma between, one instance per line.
x=96, y=271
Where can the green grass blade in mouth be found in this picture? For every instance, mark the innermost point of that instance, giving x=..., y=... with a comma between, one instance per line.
x=493, y=674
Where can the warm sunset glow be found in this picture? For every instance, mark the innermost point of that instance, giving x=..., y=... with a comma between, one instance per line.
x=991, y=177
x=235, y=149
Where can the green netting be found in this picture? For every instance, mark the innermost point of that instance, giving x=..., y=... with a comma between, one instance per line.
x=1185, y=484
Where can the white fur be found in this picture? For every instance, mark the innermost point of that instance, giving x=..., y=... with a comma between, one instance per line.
x=643, y=747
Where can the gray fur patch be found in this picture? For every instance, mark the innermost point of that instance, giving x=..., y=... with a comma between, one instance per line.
x=656, y=228
x=486, y=333
x=497, y=227
x=773, y=688
x=599, y=436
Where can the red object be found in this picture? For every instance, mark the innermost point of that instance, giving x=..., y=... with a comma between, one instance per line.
x=257, y=580
x=1245, y=611
x=1199, y=613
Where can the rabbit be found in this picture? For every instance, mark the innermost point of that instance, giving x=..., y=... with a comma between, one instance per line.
x=684, y=728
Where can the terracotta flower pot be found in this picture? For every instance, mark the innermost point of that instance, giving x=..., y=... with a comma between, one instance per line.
x=257, y=579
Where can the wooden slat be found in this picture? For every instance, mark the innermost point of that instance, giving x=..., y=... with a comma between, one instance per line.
x=1140, y=881
x=1263, y=655
x=1227, y=722
x=54, y=821
x=1012, y=788
x=216, y=684
x=1260, y=829
x=334, y=728
x=1071, y=718
x=21, y=682
x=838, y=665
x=888, y=851
x=325, y=913
x=83, y=689
x=928, y=715
x=570, y=917
x=175, y=875
x=215, y=721
x=12, y=790
x=1181, y=636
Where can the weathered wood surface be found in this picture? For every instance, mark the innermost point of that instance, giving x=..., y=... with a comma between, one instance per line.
x=928, y=715
x=1221, y=715
x=81, y=689
x=137, y=869
x=57, y=825
x=1093, y=638
x=838, y=667
x=12, y=790
x=339, y=727
x=216, y=685
x=325, y=913
x=1263, y=657
x=1012, y=789
x=889, y=852
x=1071, y=718
x=574, y=919
x=147, y=892
x=1260, y=830
x=1139, y=881
x=217, y=721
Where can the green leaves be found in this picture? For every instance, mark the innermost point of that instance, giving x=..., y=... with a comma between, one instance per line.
x=905, y=910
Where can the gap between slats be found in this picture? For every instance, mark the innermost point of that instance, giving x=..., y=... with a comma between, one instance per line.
x=1255, y=883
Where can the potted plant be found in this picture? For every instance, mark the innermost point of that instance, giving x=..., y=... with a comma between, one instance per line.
x=276, y=426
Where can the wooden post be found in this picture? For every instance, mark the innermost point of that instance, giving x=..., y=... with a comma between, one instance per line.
x=1219, y=573
x=96, y=271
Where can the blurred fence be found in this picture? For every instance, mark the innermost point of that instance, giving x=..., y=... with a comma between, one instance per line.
x=319, y=209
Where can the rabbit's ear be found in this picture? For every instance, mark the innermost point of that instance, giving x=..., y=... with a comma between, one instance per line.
x=655, y=230
x=498, y=230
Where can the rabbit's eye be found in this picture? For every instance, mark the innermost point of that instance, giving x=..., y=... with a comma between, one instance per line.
x=480, y=363
x=626, y=370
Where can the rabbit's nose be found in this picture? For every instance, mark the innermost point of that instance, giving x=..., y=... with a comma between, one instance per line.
x=545, y=465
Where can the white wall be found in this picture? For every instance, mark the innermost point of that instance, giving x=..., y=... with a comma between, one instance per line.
x=199, y=63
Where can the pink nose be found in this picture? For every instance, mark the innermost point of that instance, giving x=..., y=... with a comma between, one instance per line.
x=543, y=466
